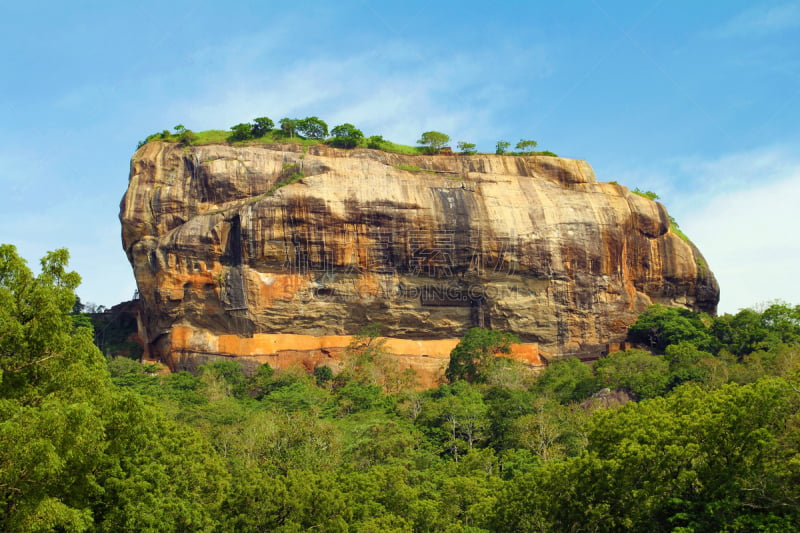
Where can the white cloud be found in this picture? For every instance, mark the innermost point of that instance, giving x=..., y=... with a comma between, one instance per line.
x=394, y=90
x=761, y=20
x=740, y=210
x=750, y=235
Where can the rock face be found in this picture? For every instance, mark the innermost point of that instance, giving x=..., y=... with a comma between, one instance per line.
x=427, y=245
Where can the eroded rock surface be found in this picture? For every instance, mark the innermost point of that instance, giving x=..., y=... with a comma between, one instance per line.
x=427, y=245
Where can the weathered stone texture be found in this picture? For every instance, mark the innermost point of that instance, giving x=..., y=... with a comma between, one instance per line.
x=533, y=245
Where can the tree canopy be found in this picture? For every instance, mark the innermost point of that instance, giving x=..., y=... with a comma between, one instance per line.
x=312, y=127
x=471, y=359
x=501, y=147
x=467, y=148
x=526, y=147
x=433, y=141
x=700, y=433
x=77, y=453
x=261, y=126
x=346, y=136
x=288, y=126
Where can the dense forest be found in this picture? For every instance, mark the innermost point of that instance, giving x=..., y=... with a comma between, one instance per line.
x=696, y=430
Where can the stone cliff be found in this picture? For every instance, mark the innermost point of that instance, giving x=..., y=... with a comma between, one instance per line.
x=279, y=253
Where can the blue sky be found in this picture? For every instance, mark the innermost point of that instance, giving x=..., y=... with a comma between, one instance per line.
x=696, y=101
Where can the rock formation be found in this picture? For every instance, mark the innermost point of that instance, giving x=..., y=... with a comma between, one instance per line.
x=279, y=253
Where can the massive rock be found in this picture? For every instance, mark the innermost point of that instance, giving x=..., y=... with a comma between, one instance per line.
x=279, y=253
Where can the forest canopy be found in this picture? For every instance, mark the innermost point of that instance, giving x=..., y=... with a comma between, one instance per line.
x=697, y=429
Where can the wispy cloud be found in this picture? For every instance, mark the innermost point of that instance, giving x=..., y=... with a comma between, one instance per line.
x=396, y=90
x=761, y=20
x=749, y=233
x=740, y=210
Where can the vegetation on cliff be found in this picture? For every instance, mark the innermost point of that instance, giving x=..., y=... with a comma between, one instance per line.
x=91, y=445
x=313, y=130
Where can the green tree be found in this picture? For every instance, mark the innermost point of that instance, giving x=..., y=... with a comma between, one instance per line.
x=695, y=460
x=38, y=338
x=241, y=132
x=433, y=141
x=502, y=147
x=685, y=364
x=346, y=136
x=261, y=126
x=323, y=374
x=288, y=126
x=466, y=148
x=636, y=371
x=750, y=330
x=646, y=194
x=505, y=407
x=660, y=326
x=457, y=417
x=77, y=453
x=375, y=142
x=312, y=127
x=185, y=136
x=474, y=354
x=229, y=373
x=541, y=432
x=567, y=380
x=525, y=147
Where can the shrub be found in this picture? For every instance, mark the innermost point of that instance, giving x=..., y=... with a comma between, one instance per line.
x=433, y=141
x=312, y=127
x=261, y=126
x=346, y=136
x=375, y=142
x=466, y=148
x=241, y=132
x=474, y=355
x=526, y=146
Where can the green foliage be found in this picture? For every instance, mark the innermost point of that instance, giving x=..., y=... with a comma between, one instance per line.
x=636, y=371
x=400, y=148
x=313, y=130
x=311, y=127
x=408, y=168
x=685, y=364
x=675, y=228
x=346, y=136
x=694, y=461
x=261, y=126
x=290, y=175
x=712, y=445
x=466, y=148
x=749, y=330
x=241, y=132
x=226, y=375
x=567, y=380
x=39, y=341
x=433, y=141
x=457, y=419
x=211, y=137
x=661, y=326
x=288, y=126
x=77, y=453
x=376, y=142
x=525, y=147
x=323, y=374
x=185, y=136
x=474, y=355
x=650, y=195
